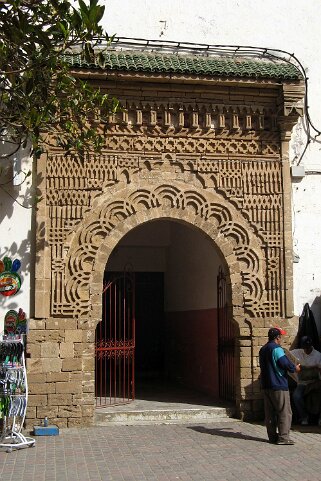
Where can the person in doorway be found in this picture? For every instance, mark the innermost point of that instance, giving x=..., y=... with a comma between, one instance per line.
x=308, y=378
x=274, y=366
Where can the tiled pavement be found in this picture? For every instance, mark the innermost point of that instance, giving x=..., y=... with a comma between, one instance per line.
x=221, y=451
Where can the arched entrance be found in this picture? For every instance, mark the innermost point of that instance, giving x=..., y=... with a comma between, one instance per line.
x=127, y=207
x=196, y=149
x=166, y=323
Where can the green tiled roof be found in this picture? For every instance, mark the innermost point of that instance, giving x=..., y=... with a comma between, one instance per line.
x=154, y=62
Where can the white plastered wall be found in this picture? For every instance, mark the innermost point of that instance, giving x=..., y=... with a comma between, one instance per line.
x=16, y=237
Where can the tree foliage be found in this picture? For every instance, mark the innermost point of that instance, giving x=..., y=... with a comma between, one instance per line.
x=40, y=99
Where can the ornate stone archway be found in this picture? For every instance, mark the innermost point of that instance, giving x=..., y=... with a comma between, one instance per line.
x=133, y=205
x=211, y=153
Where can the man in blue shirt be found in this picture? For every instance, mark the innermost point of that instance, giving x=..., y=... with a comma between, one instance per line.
x=274, y=366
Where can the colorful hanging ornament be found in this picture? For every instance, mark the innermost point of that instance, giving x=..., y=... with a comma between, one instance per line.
x=15, y=265
x=21, y=326
x=10, y=281
x=15, y=322
x=10, y=322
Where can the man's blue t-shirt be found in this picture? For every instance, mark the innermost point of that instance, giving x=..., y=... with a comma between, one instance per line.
x=274, y=365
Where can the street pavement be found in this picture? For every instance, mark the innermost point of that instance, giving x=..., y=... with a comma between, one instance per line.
x=224, y=451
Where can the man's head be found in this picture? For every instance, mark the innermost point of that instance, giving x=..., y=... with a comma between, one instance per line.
x=306, y=344
x=275, y=334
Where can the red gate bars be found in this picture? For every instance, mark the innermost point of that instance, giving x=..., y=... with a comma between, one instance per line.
x=226, y=342
x=115, y=342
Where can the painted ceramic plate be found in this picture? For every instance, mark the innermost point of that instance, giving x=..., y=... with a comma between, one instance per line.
x=10, y=283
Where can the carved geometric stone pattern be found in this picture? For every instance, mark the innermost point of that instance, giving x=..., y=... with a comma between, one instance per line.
x=210, y=208
x=224, y=164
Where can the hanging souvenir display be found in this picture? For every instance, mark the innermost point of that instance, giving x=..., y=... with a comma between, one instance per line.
x=15, y=322
x=10, y=281
x=13, y=393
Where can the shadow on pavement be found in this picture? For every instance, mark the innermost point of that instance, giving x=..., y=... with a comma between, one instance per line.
x=226, y=433
x=311, y=428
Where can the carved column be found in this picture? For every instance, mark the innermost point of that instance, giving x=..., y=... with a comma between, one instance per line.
x=291, y=104
x=286, y=124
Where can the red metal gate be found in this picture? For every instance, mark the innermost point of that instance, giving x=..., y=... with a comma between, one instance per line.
x=115, y=342
x=226, y=342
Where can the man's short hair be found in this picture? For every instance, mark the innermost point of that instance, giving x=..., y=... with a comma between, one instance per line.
x=275, y=332
x=306, y=341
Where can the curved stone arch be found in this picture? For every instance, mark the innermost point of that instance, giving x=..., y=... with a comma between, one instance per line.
x=118, y=212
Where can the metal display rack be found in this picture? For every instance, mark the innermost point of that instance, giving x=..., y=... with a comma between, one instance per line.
x=13, y=393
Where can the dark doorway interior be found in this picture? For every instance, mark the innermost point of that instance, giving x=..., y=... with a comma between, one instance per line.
x=168, y=351
x=150, y=328
x=155, y=351
x=156, y=376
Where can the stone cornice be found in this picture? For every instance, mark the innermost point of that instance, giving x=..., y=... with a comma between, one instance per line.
x=182, y=78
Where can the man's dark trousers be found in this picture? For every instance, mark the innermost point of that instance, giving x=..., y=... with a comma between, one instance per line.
x=278, y=414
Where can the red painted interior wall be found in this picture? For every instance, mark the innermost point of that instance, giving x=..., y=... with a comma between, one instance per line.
x=191, y=349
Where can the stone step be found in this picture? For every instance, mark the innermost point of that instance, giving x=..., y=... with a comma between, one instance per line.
x=105, y=417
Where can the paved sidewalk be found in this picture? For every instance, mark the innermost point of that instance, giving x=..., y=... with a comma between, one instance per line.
x=221, y=451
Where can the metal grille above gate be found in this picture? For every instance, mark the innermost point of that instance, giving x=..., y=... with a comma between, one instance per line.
x=115, y=342
x=226, y=342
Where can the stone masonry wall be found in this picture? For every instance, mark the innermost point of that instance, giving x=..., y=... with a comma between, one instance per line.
x=60, y=373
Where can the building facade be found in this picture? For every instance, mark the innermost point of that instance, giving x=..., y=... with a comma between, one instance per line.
x=194, y=181
x=195, y=174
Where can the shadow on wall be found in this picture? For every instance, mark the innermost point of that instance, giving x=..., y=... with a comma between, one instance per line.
x=17, y=203
x=11, y=198
x=253, y=406
x=15, y=241
x=22, y=194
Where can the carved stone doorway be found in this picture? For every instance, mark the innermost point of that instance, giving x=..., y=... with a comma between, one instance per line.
x=175, y=267
x=200, y=149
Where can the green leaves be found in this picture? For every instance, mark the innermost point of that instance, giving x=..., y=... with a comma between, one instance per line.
x=91, y=15
x=39, y=99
